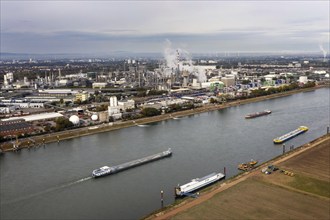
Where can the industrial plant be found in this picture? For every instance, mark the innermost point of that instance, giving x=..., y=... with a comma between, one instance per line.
x=42, y=96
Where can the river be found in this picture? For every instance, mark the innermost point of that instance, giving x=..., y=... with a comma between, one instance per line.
x=53, y=182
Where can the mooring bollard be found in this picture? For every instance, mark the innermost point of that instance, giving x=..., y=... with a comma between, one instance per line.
x=162, y=198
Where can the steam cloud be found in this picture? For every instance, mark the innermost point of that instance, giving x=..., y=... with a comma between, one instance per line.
x=184, y=63
x=323, y=51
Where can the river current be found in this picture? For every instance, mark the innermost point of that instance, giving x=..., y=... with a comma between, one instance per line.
x=54, y=182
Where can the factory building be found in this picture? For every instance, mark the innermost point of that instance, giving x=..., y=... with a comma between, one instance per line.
x=103, y=116
x=35, y=117
x=126, y=104
x=15, y=128
x=303, y=79
x=114, y=109
x=99, y=85
x=228, y=80
x=19, y=103
x=56, y=92
x=82, y=96
x=4, y=109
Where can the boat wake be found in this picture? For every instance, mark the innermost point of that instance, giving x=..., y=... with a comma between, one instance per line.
x=52, y=189
x=143, y=126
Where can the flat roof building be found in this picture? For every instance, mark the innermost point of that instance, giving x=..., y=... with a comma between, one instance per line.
x=36, y=117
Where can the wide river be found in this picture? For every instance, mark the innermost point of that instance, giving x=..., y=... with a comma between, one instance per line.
x=54, y=182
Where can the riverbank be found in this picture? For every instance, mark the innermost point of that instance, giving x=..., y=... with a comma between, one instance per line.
x=308, y=187
x=41, y=140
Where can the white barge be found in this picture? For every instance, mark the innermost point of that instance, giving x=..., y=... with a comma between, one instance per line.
x=197, y=183
x=105, y=170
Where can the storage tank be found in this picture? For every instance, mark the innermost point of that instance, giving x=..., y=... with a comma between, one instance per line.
x=94, y=117
x=74, y=119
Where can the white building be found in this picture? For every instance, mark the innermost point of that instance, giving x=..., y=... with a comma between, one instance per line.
x=6, y=109
x=270, y=77
x=196, y=84
x=82, y=96
x=63, y=82
x=303, y=79
x=36, y=117
x=114, y=109
x=99, y=85
x=126, y=104
x=10, y=77
x=320, y=72
x=228, y=80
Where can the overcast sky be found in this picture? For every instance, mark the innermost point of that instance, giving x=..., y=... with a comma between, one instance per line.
x=145, y=26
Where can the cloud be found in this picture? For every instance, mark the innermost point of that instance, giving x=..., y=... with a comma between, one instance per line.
x=83, y=26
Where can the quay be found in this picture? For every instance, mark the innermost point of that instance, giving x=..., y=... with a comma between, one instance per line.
x=300, y=186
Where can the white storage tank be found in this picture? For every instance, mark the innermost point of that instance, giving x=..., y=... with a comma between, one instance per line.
x=94, y=117
x=74, y=119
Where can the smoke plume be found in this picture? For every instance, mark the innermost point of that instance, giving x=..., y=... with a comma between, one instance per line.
x=180, y=58
x=323, y=51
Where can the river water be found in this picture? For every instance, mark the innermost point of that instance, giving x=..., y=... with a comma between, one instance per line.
x=53, y=182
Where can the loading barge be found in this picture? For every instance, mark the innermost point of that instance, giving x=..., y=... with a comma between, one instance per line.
x=105, y=170
x=197, y=183
x=247, y=166
x=292, y=134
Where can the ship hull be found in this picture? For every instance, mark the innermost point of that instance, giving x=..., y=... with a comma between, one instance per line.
x=135, y=163
x=258, y=114
x=194, y=185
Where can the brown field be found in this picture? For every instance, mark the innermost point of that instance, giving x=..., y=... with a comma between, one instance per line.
x=253, y=199
x=254, y=195
x=315, y=162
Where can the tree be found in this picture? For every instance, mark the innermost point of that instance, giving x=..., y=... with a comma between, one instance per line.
x=78, y=101
x=213, y=101
x=101, y=108
x=148, y=112
x=111, y=119
x=63, y=123
x=246, y=81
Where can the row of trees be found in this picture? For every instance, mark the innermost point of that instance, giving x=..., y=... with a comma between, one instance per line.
x=269, y=91
x=149, y=112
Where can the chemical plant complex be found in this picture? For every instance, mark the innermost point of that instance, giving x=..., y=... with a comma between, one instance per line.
x=39, y=96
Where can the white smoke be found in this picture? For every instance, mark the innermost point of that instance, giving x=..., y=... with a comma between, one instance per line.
x=183, y=62
x=170, y=55
x=323, y=51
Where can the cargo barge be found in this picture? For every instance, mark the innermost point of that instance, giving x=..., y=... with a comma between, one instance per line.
x=197, y=183
x=292, y=134
x=105, y=170
x=258, y=114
